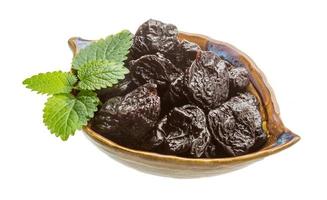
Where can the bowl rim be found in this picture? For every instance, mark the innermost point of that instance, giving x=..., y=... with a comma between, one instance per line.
x=152, y=155
x=105, y=142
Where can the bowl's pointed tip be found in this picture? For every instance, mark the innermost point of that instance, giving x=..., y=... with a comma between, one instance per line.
x=78, y=43
x=72, y=44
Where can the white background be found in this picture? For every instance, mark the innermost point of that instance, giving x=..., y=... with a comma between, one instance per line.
x=287, y=40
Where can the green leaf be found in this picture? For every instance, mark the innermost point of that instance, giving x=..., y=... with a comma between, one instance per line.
x=63, y=114
x=113, y=48
x=51, y=82
x=100, y=74
x=91, y=101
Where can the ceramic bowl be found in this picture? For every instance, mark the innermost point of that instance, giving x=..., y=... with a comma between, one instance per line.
x=279, y=138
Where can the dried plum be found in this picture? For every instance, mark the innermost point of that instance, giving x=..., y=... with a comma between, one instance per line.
x=260, y=140
x=210, y=151
x=207, y=81
x=134, y=114
x=106, y=119
x=154, y=36
x=233, y=136
x=199, y=144
x=186, y=54
x=238, y=77
x=175, y=95
x=153, y=69
x=235, y=124
x=183, y=131
x=245, y=107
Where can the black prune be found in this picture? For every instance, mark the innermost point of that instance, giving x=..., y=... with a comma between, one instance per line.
x=186, y=54
x=232, y=136
x=175, y=95
x=199, y=144
x=153, y=69
x=214, y=150
x=106, y=119
x=135, y=114
x=238, y=77
x=139, y=110
x=235, y=123
x=260, y=140
x=207, y=81
x=184, y=131
x=245, y=107
x=154, y=36
x=210, y=151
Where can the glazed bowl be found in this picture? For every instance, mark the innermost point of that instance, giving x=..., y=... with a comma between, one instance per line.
x=279, y=137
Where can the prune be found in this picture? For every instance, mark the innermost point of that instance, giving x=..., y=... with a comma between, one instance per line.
x=135, y=114
x=154, y=36
x=199, y=144
x=238, y=77
x=207, y=81
x=234, y=137
x=235, y=124
x=122, y=88
x=184, y=54
x=106, y=119
x=210, y=151
x=183, y=132
x=214, y=150
x=175, y=95
x=153, y=69
x=260, y=140
x=245, y=107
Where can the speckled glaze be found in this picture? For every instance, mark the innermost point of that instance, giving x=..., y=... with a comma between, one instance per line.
x=279, y=138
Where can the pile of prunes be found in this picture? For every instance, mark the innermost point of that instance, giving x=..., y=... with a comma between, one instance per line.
x=180, y=100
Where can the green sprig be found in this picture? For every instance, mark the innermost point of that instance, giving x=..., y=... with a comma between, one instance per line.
x=97, y=66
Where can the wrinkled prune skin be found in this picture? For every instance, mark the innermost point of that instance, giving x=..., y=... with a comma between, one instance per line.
x=122, y=88
x=236, y=123
x=139, y=110
x=238, y=78
x=153, y=69
x=154, y=36
x=182, y=132
x=184, y=55
x=210, y=151
x=245, y=107
x=260, y=140
x=175, y=95
x=207, y=81
x=135, y=114
x=233, y=136
x=106, y=119
x=200, y=144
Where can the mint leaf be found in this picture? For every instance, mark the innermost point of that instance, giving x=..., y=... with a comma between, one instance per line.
x=113, y=48
x=63, y=114
x=51, y=82
x=91, y=101
x=100, y=74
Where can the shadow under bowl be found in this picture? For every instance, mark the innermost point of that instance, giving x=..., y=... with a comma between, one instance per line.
x=279, y=137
